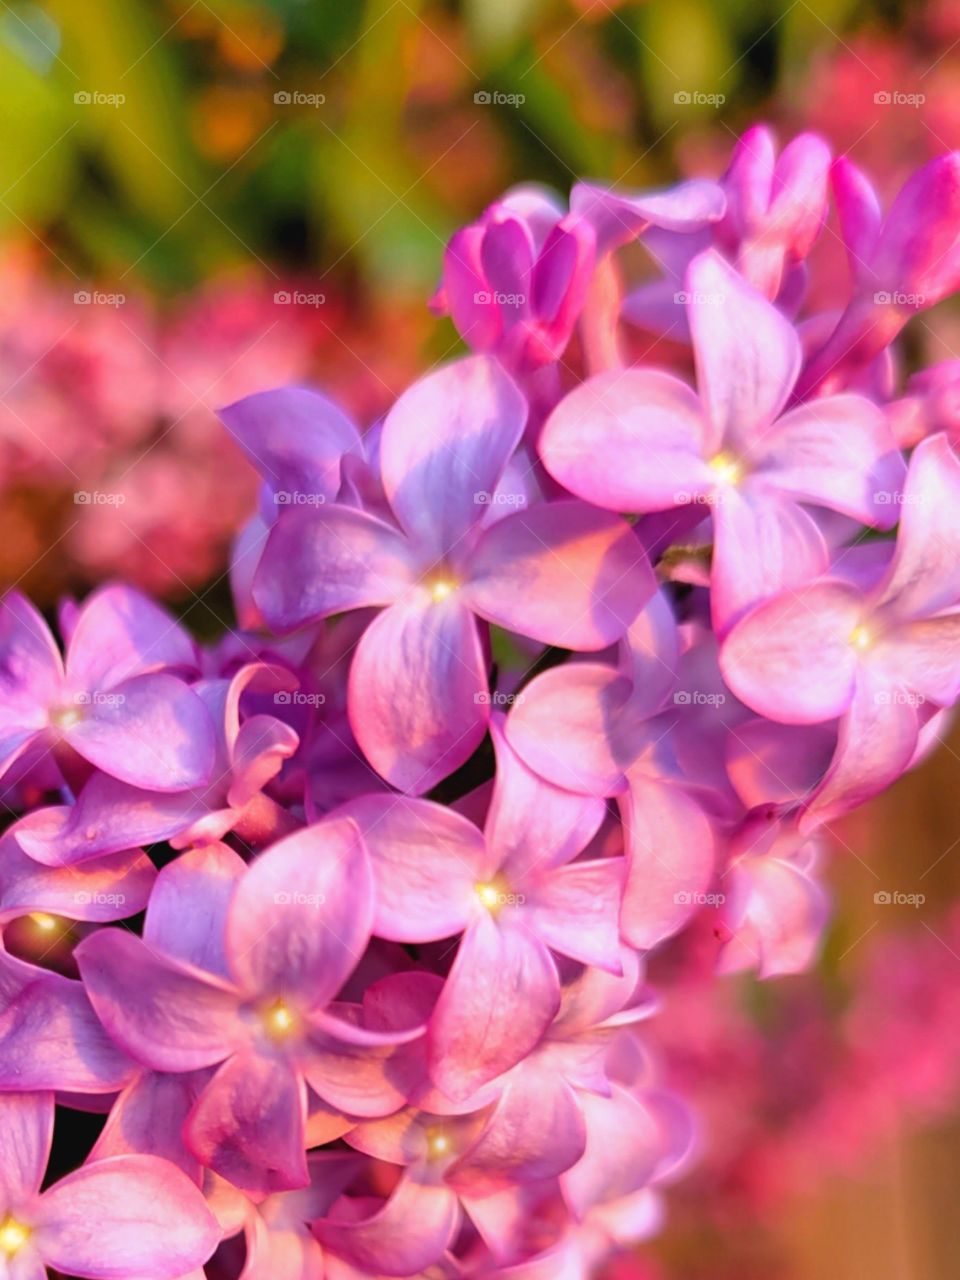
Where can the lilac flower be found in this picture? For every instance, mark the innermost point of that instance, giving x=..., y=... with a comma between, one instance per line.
x=113, y=701
x=515, y=282
x=563, y=573
x=641, y=440
x=875, y=657
x=108, y=814
x=238, y=968
x=513, y=891
x=136, y=1217
x=901, y=264
x=775, y=208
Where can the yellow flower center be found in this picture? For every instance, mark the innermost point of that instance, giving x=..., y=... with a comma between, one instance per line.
x=861, y=637
x=442, y=589
x=43, y=921
x=280, y=1021
x=729, y=470
x=13, y=1236
x=66, y=717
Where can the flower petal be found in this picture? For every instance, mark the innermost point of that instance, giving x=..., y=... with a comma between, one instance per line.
x=295, y=438
x=412, y=1231
x=628, y=440
x=426, y=861
x=575, y=910
x=747, y=353
x=320, y=561
x=533, y=825
x=248, y=1124
x=672, y=860
x=837, y=451
x=561, y=572
x=186, y=918
x=26, y=1132
x=417, y=692
x=121, y=633
x=501, y=995
x=791, y=658
x=150, y=731
x=163, y=1013
x=624, y=1145
x=126, y=1216
x=446, y=440
x=619, y=217
x=300, y=917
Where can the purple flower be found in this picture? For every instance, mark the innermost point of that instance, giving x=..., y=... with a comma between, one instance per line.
x=641, y=440
x=563, y=573
x=878, y=657
x=113, y=701
x=129, y=1218
x=238, y=968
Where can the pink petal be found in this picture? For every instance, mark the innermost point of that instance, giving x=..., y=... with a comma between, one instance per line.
x=294, y=437
x=563, y=573
x=535, y=1132
x=924, y=576
x=186, y=918
x=127, y=1216
x=619, y=217
x=672, y=860
x=878, y=737
x=762, y=544
x=426, y=861
x=163, y=1013
x=446, y=440
x=792, y=658
x=50, y=1037
x=748, y=355
x=300, y=918
x=624, y=1146
x=359, y=1080
x=148, y=1118
x=779, y=917
x=837, y=451
x=107, y=888
x=259, y=751
x=320, y=561
x=26, y=1132
x=151, y=731
x=248, y=1124
x=121, y=633
x=628, y=440
x=410, y=1233
x=533, y=825
x=417, y=692
x=575, y=910
x=925, y=656
x=501, y=995
x=576, y=727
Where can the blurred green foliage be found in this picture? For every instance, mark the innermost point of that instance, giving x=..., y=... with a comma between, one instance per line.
x=151, y=141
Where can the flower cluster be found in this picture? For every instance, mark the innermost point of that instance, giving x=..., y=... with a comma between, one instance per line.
x=342, y=922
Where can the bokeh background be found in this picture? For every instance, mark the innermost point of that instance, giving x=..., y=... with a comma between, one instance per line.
x=201, y=199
